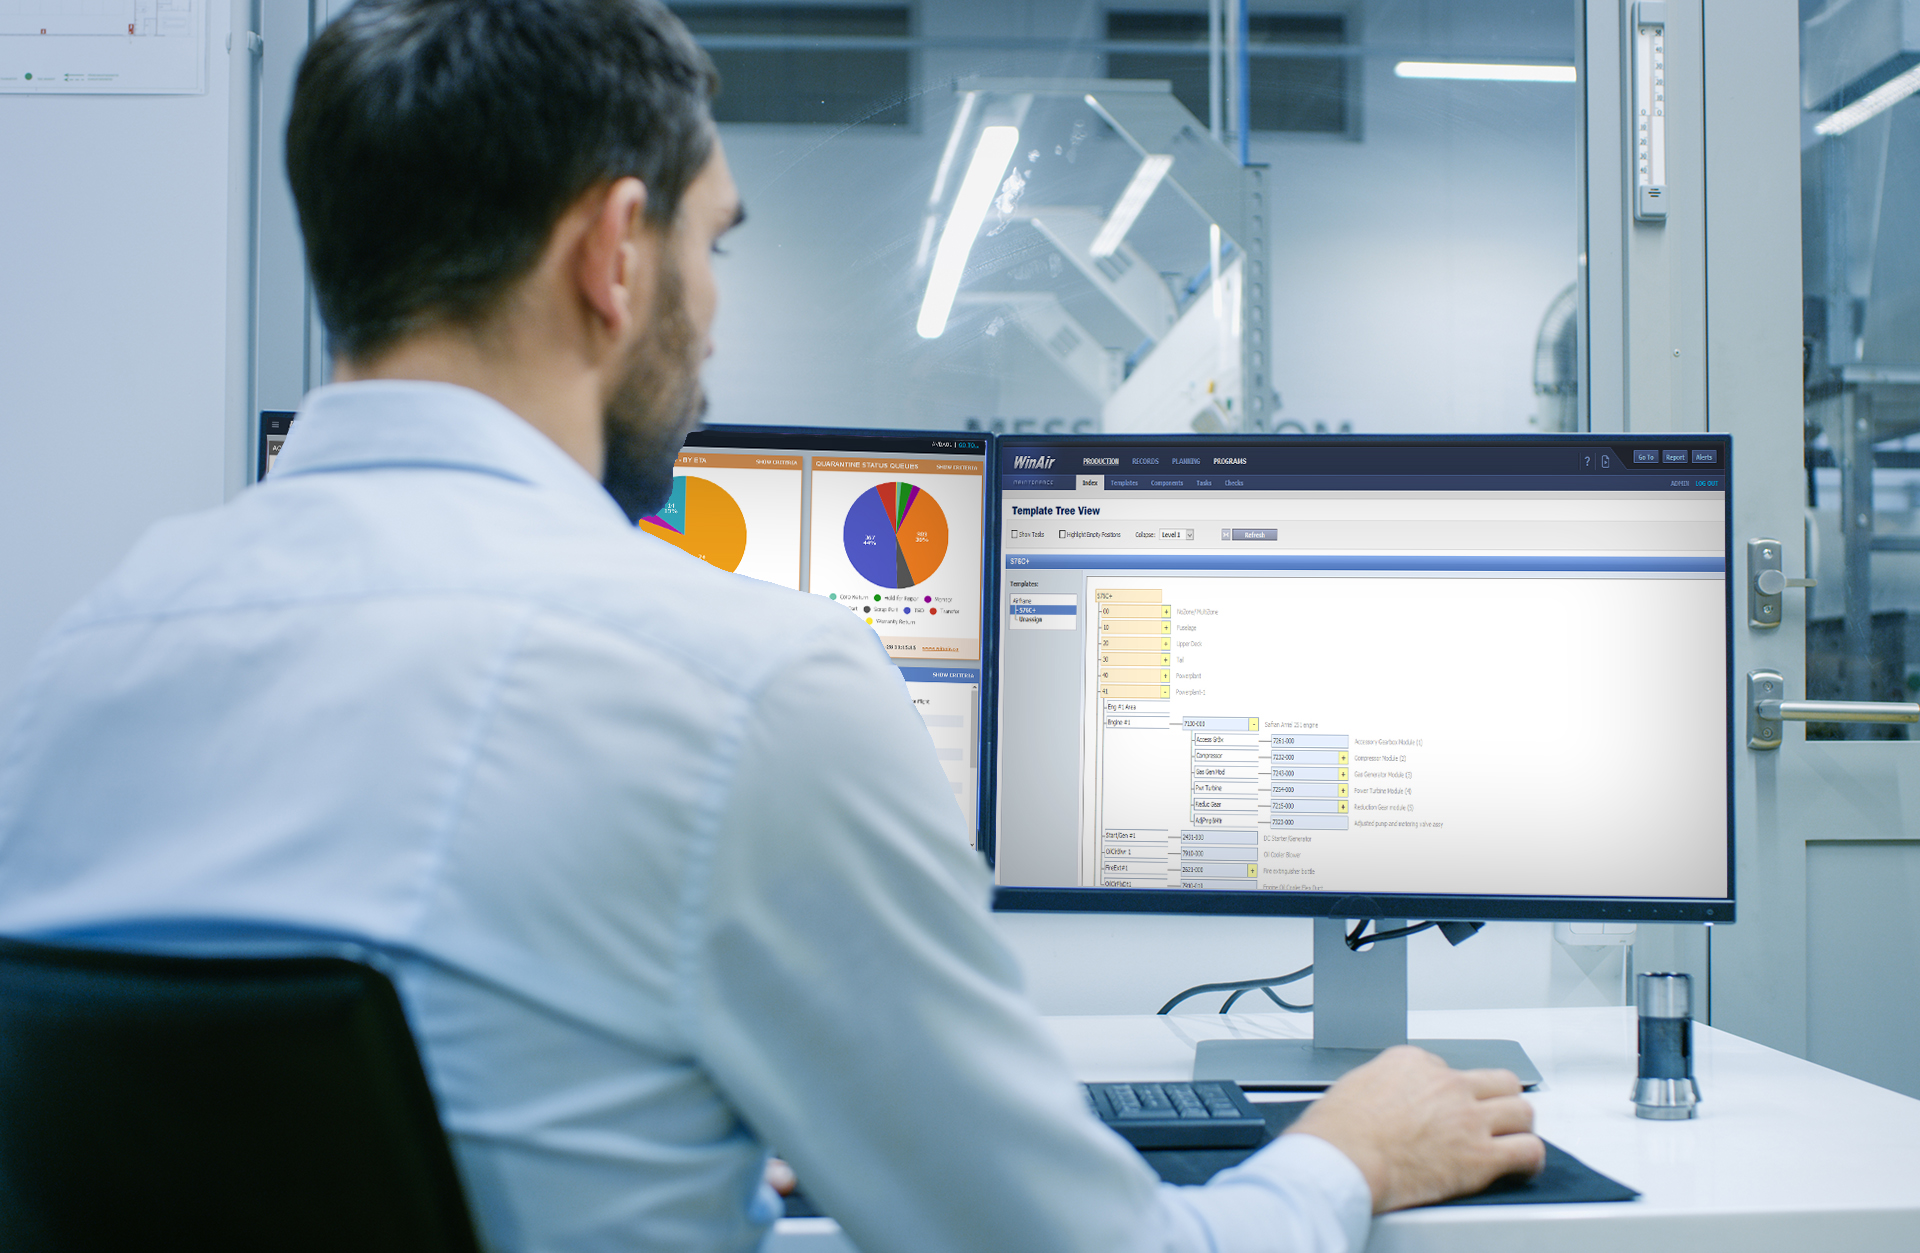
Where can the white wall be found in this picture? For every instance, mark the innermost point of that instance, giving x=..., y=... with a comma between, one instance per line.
x=114, y=333
x=1135, y=963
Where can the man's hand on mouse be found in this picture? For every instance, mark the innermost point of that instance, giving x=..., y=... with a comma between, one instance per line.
x=1422, y=1132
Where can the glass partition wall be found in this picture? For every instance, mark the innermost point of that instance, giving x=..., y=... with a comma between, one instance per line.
x=959, y=219
x=1860, y=222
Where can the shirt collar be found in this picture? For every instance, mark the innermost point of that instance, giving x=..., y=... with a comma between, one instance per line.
x=391, y=423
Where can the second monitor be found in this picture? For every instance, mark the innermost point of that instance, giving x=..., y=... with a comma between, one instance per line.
x=885, y=523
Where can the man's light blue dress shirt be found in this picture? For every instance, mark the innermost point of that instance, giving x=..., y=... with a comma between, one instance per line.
x=660, y=857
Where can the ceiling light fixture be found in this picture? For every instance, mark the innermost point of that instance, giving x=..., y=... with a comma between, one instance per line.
x=1486, y=72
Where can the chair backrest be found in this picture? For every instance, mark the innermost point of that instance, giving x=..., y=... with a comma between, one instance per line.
x=215, y=1104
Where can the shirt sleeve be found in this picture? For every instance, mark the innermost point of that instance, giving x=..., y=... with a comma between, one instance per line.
x=845, y=989
x=1297, y=1193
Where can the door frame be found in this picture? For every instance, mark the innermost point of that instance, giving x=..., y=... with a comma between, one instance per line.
x=1721, y=279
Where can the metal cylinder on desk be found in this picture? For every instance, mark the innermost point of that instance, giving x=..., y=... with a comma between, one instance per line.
x=1666, y=1088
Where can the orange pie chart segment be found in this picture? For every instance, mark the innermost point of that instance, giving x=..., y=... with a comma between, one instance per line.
x=702, y=519
x=922, y=531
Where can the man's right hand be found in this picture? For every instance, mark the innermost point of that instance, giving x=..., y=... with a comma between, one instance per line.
x=1422, y=1132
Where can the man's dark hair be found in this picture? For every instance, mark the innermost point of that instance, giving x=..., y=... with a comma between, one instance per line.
x=435, y=143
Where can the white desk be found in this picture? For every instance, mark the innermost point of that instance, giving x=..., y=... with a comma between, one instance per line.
x=1785, y=1155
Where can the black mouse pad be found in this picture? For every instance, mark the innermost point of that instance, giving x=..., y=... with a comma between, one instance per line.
x=1564, y=1178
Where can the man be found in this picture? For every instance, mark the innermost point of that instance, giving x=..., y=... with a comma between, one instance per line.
x=661, y=859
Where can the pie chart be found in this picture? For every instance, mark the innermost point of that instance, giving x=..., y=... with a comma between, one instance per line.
x=896, y=535
x=700, y=518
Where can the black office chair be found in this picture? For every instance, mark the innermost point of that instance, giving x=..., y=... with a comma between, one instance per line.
x=215, y=1104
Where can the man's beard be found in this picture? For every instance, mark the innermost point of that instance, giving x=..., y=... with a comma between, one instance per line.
x=657, y=401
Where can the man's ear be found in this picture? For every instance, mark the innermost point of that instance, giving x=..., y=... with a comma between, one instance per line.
x=612, y=266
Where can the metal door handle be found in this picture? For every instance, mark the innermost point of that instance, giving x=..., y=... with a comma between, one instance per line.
x=1763, y=594
x=1838, y=711
x=1766, y=710
x=1772, y=582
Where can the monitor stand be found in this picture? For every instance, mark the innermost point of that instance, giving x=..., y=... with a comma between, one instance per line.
x=1359, y=1009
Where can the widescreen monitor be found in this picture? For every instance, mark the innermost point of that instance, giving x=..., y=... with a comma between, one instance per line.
x=889, y=524
x=1363, y=677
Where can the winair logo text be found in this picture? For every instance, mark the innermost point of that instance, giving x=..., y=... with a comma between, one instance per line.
x=1032, y=463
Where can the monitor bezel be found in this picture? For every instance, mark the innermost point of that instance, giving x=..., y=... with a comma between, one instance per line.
x=1320, y=904
x=827, y=438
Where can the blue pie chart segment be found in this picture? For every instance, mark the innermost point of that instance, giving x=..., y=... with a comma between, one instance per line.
x=873, y=547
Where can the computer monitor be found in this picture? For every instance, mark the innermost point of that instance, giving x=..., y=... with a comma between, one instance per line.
x=888, y=523
x=274, y=425
x=1362, y=677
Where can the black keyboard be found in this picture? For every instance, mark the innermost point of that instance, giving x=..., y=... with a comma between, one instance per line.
x=1210, y=1114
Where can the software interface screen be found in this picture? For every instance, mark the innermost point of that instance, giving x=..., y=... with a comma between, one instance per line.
x=1465, y=668
x=888, y=526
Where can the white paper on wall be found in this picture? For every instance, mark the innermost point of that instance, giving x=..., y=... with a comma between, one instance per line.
x=103, y=47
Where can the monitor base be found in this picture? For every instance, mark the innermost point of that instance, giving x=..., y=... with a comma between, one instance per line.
x=1298, y=1066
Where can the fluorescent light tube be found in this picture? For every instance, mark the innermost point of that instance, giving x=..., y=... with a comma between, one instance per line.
x=1127, y=209
x=1213, y=269
x=990, y=159
x=962, y=116
x=1874, y=103
x=1485, y=72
